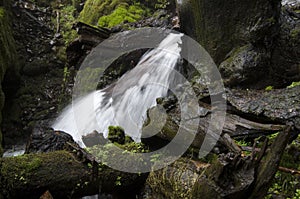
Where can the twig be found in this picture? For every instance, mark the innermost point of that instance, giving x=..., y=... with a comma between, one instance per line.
x=57, y=21
x=290, y=171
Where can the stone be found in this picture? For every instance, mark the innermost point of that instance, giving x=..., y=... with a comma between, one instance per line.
x=44, y=139
x=286, y=54
x=244, y=65
x=220, y=26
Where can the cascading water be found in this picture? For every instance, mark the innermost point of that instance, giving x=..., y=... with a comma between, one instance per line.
x=125, y=102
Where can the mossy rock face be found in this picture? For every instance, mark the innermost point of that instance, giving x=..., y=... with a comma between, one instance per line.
x=286, y=54
x=94, y=9
x=220, y=26
x=110, y=13
x=123, y=13
x=8, y=53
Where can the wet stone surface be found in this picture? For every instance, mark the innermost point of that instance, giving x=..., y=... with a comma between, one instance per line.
x=279, y=105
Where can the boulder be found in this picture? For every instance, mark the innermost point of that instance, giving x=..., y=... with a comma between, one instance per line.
x=286, y=53
x=244, y=65
x=44, y=139
x=220, y=26
x=241, y=31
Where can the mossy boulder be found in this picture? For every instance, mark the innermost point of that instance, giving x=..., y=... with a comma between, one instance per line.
x=94, y=9
x=123, y=13
x=245, y=64
x=116, y=134
x=110, y=13
x=220, y=26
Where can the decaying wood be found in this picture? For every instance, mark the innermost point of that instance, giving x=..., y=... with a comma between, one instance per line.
x=255, y=113
x=269, y=166
x=89, y=37
x=229, y=176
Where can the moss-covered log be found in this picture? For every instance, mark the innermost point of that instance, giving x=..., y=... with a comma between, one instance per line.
x=60, y=172
x=229, y=176
x=65, y=176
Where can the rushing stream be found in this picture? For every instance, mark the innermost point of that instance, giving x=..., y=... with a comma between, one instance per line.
x=125, y=102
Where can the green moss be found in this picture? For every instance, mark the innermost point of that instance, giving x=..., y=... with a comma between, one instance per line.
x=121, y=14
x=67, y=20
x=116, y=134
x=269, y=88
x=22, y=165
x=109, y=13
x=271, y=20
x=295, y=33
x=175, y=181
x=2, y=12
x=94, y=9
x=162, y=4
x=118, y=141
x=294, y=84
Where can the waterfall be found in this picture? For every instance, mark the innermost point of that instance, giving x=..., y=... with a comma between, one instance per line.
x=125, y=102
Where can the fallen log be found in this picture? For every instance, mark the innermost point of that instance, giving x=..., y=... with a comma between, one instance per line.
x=65, y=176
x=252, y=113
x=267, y=169
x=229, y=176
x=60, y=172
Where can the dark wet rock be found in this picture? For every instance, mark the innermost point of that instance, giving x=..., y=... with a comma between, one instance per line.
x=282, y=105
x=119, y=67
x=93, y=139
x=85, y=29
x=220, y=26
x=160, y=18
x=256, y=42
x=238, y=35
x=286, y=53
x=245, y=64
x=89, y=37
x=9, y=71
x=44, y=139
x=39, y=92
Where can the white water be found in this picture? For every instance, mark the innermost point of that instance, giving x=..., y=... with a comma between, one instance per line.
x=126, y=102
